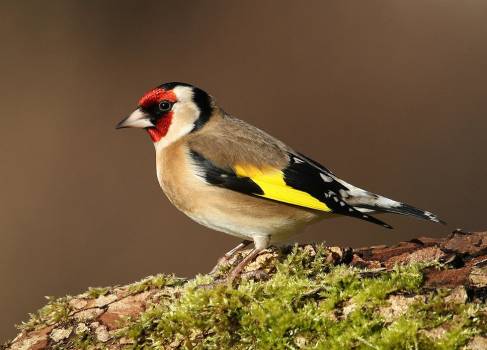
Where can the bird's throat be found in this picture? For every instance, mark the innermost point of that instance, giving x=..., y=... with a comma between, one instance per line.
x=162, y=127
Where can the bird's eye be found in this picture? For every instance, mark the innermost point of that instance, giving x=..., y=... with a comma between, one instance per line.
x=165, y=106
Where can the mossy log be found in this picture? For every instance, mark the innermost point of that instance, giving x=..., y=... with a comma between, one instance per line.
x=426, y=293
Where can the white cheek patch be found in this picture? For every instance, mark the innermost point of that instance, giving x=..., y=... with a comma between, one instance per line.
x=185, y=114
x=177, y=129
x=183, y=94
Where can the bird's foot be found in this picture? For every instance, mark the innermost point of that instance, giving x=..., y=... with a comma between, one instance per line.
x=228, y=255
x=237, y=271
x=222, y=261
x=256, y=275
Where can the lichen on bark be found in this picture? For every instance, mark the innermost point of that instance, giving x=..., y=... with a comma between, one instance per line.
x=423, y=294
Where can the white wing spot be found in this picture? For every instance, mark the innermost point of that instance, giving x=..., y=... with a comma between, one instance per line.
x=297, y=160
x=326, y=178
x=330, y=194
x=342, y=203
x=385, y=202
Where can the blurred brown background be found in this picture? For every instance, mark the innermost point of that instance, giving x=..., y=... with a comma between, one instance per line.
x=402, y=84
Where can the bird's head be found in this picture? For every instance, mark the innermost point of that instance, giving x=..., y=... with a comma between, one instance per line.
x=170, y=111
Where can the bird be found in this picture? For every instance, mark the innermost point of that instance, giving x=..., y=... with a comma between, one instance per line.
x=235, y=178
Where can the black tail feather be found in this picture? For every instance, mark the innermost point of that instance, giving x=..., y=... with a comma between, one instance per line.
x=404, y=209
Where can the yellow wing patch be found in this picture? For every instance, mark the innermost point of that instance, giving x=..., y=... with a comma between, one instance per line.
x=272, y=183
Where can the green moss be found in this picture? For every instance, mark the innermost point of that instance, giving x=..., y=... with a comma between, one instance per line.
x=449, y=326
x=306, y=303
x=95, y=292
x=82, y=341
x=56, y=310
x=303, y=306
x=158, y=281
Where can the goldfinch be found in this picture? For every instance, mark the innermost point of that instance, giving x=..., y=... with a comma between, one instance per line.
x=235, y=178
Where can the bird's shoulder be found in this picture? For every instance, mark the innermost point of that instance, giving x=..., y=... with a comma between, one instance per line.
x=227, y=141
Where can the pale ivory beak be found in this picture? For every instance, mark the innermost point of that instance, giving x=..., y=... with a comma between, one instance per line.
x=138, y=119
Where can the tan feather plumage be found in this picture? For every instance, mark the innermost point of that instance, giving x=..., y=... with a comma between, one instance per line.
x=226, y=141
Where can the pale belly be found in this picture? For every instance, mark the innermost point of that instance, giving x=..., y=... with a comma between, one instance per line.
x=246, y=216
x=277, y=229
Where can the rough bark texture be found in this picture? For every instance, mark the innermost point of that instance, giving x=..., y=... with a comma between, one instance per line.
x=113, y=318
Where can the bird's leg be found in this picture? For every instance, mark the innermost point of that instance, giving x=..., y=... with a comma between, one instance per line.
x=239, y=268
x=228, y=255
x=239, y=247
x=261, y=243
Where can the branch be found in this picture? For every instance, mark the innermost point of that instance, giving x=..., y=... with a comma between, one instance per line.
x=427, y=293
